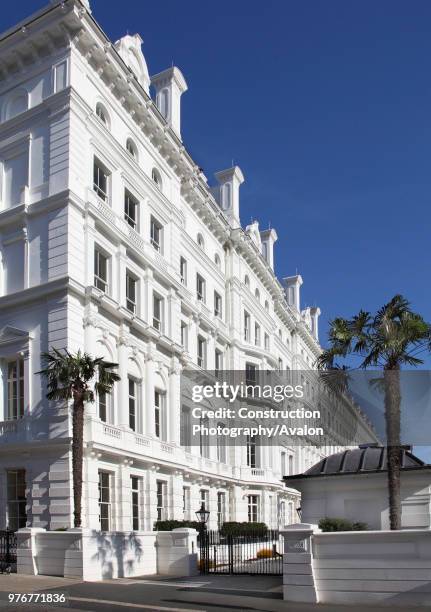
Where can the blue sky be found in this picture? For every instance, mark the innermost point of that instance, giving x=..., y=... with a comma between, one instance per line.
x=326, y=107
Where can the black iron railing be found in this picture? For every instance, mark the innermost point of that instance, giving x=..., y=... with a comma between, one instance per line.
x=8, y=545
x=241, y=554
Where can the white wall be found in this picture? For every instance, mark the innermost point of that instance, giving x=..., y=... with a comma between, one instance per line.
x=364, y=498
x=387, y=568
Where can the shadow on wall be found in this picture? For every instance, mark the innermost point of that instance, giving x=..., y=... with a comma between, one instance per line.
x=122, y=549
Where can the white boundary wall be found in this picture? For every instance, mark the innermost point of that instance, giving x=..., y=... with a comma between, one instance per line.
x=368, y=567
x=94, y=555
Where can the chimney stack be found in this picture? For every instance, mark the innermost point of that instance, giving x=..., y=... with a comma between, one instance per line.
x=170, y=86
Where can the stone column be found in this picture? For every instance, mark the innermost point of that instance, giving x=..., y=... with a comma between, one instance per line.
x=177, y=496
x=213, y=507
x=193, y=337
x=173, y=409
x=122, y=411
x=147, y=304
x=124, y=497
x=149, y=391
x=151, y=497
x=90, y=321
x=90, y=514
x=121, y=269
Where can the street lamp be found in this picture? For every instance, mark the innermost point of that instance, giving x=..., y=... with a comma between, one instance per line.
x=202, y=515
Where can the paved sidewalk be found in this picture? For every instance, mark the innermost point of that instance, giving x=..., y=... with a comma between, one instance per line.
x=159, y=594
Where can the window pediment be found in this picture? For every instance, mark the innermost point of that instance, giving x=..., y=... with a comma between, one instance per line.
x=9, y=334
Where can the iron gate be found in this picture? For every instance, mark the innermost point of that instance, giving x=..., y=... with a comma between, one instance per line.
x=8, y=543
x=241, y=554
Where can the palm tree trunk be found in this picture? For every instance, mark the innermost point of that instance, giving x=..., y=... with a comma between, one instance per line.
x=77, y=455
x=393, y=441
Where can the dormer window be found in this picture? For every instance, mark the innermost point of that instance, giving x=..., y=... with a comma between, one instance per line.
x=155, y=175
x=200, y=241
x=132, y=148
x=102, y=114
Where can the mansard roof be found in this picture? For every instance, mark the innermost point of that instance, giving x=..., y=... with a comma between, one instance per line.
x=361, y=460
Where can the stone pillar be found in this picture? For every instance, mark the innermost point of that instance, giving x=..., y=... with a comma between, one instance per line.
x=151, y=497
x=90, y=514
x=298, y=579
x=149, y=391
x=177, y=496
x=193, y=338
x=121, y=270
x=177, y=552
x=147, y=305
x=122, y=412
x=173, y=409
x=124, y=497
x=212, y=495
x=91, y=409
x=236, y=504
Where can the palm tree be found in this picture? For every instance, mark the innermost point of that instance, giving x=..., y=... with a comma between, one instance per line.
x=390, y=339
x=69, y=377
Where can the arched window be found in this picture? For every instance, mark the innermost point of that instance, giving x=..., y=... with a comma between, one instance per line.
x=102, y=114
x=155, y=175
x=132, y=148
x=18, y=103
x=257, y=293
x=266, y=305
x=247, y=281
x=200, y=241
x=164, y=103
x=217, y=260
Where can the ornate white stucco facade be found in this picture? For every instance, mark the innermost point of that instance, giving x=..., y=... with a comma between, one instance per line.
x=112, y=241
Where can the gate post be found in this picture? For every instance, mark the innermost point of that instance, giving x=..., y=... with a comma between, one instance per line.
x=26, y=550
x=298, y=578
x=176, y=552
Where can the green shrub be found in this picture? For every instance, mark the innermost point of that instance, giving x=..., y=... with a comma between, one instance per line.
x=169, y=525
x=235, y=528
x=339, y=524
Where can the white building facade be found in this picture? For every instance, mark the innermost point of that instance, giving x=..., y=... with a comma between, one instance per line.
x=113, y=242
